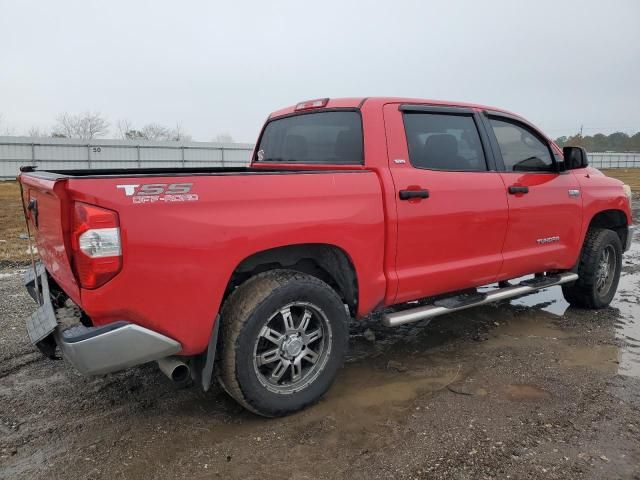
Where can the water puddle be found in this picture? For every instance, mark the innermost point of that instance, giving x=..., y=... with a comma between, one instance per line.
x=627, y=301
x=365, y=395
x=548, y=300
x=609, y=358
x=524, y=392
x=603, y=358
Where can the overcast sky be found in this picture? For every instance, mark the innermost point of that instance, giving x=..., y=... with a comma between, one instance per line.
x=221, y=67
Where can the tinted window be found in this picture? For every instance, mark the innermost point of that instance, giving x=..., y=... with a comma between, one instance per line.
x=323, y=137
x=444, y=142
x=522, y=150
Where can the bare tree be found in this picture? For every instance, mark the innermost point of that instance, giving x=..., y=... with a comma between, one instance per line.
x=223, y=138
x=124, y=126
x=66, y=126
x=151, y=131
x=83, y=125
x=178, y=134
x=37, y=132
x=155, y=131
x=93, y=124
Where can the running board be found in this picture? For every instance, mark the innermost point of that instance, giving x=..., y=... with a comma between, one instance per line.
x=429, y=311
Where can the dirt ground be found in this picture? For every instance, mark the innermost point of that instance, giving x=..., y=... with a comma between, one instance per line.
x=524, y=389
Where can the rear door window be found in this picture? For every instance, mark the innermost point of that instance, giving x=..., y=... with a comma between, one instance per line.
x=333, y=137
x=438, y=141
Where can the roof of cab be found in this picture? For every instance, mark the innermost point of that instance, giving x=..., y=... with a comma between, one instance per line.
x=358, y=102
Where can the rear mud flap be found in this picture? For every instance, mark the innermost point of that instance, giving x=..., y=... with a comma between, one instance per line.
x=202, y=366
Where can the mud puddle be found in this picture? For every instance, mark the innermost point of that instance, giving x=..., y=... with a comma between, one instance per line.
x=626, y=305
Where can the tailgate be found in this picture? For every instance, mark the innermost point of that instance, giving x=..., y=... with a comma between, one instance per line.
x=49, y=221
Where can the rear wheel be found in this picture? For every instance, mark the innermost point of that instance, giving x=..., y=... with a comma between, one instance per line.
x=599, y=271
x=284, y=338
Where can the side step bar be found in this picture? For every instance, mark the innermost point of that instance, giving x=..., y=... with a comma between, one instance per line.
x=429, y=311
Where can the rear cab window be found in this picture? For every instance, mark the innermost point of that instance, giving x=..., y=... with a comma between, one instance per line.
x=329, y=137
x=440, y=141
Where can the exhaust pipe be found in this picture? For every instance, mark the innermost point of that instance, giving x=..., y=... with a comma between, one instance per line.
x=175, y=369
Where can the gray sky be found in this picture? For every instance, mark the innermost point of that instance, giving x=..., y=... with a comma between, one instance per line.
x=222, y=67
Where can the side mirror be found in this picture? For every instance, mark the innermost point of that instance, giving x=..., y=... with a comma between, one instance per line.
x=575, y=157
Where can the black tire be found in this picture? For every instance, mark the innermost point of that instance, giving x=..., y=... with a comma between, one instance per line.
x=258, y=304
x=588, y=291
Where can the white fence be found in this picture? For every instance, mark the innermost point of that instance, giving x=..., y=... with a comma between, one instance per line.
x=62, y=153
x=614, y=160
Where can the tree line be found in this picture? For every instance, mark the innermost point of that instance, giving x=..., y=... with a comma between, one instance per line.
x=616, y=142
x=89, y=125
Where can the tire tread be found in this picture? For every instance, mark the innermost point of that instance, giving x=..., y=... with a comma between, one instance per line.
x=581, y=293
x=236, y=312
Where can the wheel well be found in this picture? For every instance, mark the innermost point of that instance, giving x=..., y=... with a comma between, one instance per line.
x=615, y=220
x=326, y=262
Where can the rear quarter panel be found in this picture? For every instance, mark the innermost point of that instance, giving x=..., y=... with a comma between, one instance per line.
x=178, y=257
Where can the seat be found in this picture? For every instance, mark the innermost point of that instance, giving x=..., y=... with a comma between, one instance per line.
x=440, y=152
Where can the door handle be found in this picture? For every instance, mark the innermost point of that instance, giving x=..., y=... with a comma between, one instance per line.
x=513, y=189
x=409, y=194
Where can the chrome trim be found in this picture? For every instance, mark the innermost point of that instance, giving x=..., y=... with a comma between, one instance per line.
x=429, y=311
x=631, y=229
x=116, y=349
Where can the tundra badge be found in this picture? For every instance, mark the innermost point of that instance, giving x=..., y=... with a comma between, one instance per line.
x=542, y=241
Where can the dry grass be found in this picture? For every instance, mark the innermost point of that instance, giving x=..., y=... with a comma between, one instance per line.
x=13, y=250
x=630, y=176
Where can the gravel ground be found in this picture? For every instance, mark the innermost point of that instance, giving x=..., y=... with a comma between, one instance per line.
x=526, y=389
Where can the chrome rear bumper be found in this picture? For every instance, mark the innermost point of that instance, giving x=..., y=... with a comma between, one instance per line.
x=113, y=347
x=94, y=350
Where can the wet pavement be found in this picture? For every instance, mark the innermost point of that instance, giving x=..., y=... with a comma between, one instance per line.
x=530, y=388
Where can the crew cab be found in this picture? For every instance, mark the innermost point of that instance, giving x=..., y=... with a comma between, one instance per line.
x=349, y=206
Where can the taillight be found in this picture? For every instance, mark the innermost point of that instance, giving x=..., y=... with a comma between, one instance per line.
x=95, y=241
x=319, y=103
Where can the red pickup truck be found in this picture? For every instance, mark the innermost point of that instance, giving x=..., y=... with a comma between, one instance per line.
x=349, y=206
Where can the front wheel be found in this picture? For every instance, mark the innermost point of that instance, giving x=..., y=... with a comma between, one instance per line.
x=284, y=337
x=598, y=271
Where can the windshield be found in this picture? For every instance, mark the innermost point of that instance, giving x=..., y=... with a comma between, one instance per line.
x=321, y=137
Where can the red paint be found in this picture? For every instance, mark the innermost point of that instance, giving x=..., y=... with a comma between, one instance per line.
x=177, y=258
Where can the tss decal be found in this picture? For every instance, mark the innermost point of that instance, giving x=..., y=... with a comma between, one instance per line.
x=159, y=192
